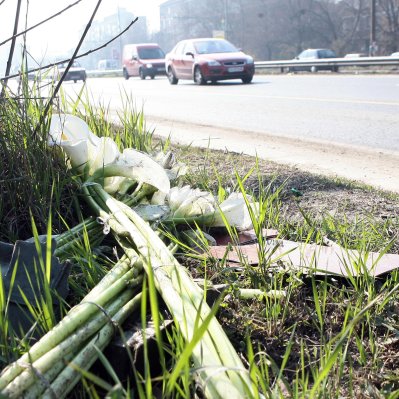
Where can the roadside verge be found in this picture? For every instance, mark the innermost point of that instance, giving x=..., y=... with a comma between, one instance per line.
x=377, y=168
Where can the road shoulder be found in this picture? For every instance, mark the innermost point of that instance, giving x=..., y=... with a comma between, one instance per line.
x=378, y=168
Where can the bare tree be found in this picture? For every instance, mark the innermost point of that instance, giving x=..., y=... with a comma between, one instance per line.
x=354, y=27
x=388, y=25
x=280, y=29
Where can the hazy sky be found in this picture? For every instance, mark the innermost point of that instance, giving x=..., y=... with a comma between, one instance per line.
x=62, y=33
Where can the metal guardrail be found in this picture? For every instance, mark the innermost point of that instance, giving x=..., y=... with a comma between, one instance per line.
x=99, y=74
x=333, y=62
x=285, y=64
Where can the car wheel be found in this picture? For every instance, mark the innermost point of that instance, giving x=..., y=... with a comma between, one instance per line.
x=152, y=76
x=198, y=78
x=141, y=73
x=313, y=69
x=125, y=74
x=247, y=79
x=171, y=77
x=75, y=81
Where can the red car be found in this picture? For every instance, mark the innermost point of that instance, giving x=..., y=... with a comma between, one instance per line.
x=208, y=60
x=145, y=59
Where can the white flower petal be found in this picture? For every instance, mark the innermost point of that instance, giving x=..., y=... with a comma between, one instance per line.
x=77, y=152
x=103, y=154
x=236, y=212
x=112, y=184
x=158, y=198
x=194, y=206
x=66, y=127
x=165, y=160
x=144, y=169
x=187, y=202
x=177, y=195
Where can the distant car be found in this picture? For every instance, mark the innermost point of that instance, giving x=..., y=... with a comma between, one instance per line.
x=145, y=59
x=314, y=54
x=75, y=73
x=208, y=60
x=396, y=54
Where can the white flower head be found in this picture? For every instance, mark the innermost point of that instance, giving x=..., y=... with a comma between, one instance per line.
x=69, y=128
x=78, y=153
x=168, y=161
x=144, y=169
x=85, y=149
x=106, y=152
x=235, y=211
x=187, y=202
x=73, y=135
x=158, y=198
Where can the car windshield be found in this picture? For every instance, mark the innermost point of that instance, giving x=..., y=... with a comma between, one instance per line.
x=151, y=53
x=214, y=46
x=326, y=54
x=74, y=65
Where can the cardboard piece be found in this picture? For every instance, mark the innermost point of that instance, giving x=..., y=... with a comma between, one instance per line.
x=244, y=237
x=307, y=258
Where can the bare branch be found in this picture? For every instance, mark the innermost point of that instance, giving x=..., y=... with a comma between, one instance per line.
x=58, y=86
x=40, y=23
x=11, y=54
x=77, y=57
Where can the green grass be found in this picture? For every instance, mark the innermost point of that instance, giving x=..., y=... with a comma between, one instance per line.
x=329, y=337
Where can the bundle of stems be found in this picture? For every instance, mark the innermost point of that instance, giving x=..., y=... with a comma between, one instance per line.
x=68, y=240
x=51, y=364
x=216, y=362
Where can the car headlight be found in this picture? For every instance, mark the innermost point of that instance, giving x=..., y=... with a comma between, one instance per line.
x=250, y=60
x=213, y=63
x=148, y=65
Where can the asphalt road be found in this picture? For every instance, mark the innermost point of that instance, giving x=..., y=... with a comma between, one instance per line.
x=358, y=110
x=291, y=118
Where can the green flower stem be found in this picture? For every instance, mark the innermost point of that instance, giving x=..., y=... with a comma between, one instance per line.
x=76, y=317
x=124, y=265
x=25, y=379
x=88, y=195
x=221, y=370
x=67, y=250
x=65, y=238
x=34, y=391
x=202, y=220
x=68, y=378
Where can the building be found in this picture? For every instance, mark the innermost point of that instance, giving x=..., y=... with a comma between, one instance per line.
x=104, y=30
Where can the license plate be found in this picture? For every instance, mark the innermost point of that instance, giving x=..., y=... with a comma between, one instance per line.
x=161, y=69
x=235, y=69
